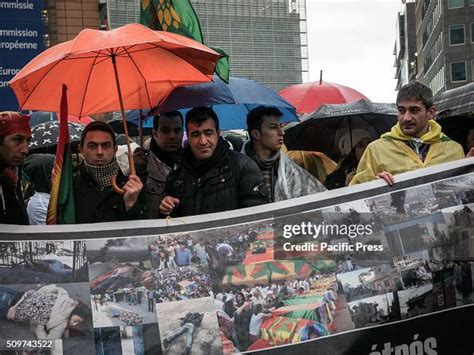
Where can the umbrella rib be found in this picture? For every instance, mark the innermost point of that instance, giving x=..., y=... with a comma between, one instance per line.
x=184, y=59
x=141, y=74
x=39, y=82
x=87, y=84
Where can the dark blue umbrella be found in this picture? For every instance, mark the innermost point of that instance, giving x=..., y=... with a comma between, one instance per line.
x=231, y=101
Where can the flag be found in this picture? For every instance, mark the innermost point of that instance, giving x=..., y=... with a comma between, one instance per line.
x=178, y=16
x=61, y=208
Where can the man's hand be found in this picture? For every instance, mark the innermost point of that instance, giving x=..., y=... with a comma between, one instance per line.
x=132, y=190
x=387, y=177
x=168, y=204
x=470, y=153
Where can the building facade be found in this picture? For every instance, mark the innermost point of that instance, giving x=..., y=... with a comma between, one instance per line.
x=64, y=19
x=444, y=43
x=405, y=45
x=266, y=40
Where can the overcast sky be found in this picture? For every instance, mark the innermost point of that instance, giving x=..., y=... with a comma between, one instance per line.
x=352, y=42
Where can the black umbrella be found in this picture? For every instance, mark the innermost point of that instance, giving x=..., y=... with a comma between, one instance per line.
x=455, y=102
x=456, y=112
x=321, y=130
x=46, y=134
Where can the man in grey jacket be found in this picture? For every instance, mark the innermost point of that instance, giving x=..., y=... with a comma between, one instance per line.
x=165, y=144
x=284, y=178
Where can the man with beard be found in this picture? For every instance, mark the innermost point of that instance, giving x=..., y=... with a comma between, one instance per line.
x=159, y=160
x=284, y=178
x=15, y=134
x=415, y=142
x=209, y=176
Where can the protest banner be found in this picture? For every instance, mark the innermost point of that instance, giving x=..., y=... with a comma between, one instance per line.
x=369, y=269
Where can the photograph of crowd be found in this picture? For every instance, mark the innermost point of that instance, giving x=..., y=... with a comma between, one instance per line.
x=262, y=302
x=180, y=265
x=43, y=262
x=52, y=311
x=189, y=327
x=121, y=281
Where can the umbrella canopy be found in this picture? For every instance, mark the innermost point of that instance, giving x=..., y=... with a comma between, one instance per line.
x=308, y=97
x=456, y=113
x=149, y=65
x=132, y=127
x=38, y=117
x=231, y=101
x=47, y=134
x=455, y=102
x=321, y=130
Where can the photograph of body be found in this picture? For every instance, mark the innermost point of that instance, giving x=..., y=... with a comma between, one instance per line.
x=43, y=262
x=53, y=311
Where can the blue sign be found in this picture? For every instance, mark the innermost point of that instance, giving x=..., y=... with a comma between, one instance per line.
x=21, y=39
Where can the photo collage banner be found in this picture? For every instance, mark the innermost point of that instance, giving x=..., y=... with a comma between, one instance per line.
x=362, y=270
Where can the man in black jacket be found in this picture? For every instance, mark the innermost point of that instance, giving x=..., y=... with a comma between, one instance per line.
x=209, y=176
x=95, y=199
x=15, y=134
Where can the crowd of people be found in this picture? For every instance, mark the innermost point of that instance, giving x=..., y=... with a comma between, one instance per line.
x=241, y=310
x=207, y=174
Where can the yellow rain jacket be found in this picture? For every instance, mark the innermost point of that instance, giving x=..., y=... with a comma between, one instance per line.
x=391, y=153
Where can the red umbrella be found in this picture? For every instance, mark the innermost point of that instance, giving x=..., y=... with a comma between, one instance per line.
x=131, y=67
x=308, y=97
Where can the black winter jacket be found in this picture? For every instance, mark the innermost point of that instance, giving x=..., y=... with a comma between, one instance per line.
x=12, y=206
x=93, y=205
x=228, y=180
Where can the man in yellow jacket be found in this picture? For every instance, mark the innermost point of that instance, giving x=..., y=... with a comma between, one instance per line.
x=415, y=142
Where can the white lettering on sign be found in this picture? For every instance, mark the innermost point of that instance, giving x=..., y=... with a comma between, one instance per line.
x=17, y=5
x=18, y=33
x=18, y=45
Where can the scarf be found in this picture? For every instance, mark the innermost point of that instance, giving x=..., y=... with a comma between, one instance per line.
x=102, y=175
x=201, y=166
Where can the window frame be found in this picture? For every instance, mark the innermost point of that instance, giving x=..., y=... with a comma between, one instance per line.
x=464, y=34
x=456, y=7
x=451, y=72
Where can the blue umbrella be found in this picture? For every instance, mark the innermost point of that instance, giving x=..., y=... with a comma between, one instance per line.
x=231, y=101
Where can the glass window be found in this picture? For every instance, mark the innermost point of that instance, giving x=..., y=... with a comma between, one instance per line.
x=471, y=2
x=472, y=32
x=458, y=71
x=453, y=4
x=456, y=34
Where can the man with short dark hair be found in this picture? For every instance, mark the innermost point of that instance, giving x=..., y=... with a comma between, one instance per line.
x=166, y=143
x=415, y=142
x=209, y=176
x=283, y=177
x=15, y=135
x=95, y=199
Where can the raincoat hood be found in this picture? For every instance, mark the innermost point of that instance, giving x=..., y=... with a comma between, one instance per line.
x=433, y=135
